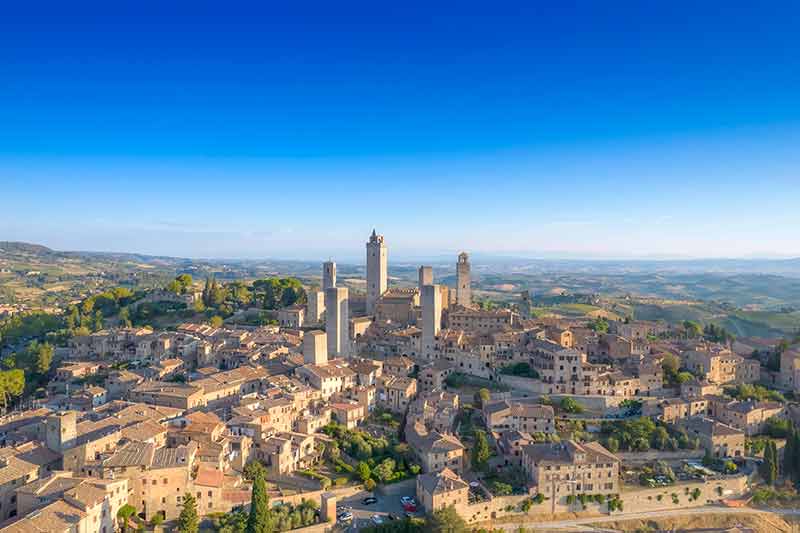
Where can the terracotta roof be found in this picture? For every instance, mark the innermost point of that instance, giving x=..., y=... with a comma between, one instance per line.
x=209, y=477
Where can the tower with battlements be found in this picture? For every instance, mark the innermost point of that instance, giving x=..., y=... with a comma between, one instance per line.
x=463, y=289
x=377, y=276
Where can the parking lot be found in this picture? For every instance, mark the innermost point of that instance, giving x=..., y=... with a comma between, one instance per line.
x=362, y=513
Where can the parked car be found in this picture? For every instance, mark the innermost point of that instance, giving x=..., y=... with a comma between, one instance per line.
x=345, y=516
x=392, y=516
x=369, y=500
x=405, y=500
x=377, y=519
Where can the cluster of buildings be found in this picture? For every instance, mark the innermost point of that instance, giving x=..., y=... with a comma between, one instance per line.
x=145, y=417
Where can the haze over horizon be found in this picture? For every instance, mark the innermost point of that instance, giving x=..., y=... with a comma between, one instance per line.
x=622, y=131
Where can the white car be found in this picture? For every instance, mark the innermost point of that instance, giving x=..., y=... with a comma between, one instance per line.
x=345, y=516
x=408, y=500
x=377, y=519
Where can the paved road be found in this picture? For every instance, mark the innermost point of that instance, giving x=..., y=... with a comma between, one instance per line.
x=570, y=524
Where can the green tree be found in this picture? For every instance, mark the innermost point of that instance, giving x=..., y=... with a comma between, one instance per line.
x=260, y=519
x=253, y=469
x=693, y=329
x=73, y=319
x=12, y=384
x=791, y=457
x=385, y=470
x=599, y=325
x=364, y=471
x=660, y=438
x=570, y=405
x=181, y=284
x=769, y=466
x=481, y=397
x=125, y=317
x=188, y=521
x=38, y=357
x=447, y=520
x=670, y=365
x=480, y=451
x=216, y=321
x=124, y=513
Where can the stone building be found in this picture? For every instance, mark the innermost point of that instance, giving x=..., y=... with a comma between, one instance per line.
x=377, y=276
x=463, y=281
x=560, y=469
x=337, y=321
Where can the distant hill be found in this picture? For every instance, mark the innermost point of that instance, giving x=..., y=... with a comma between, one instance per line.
x=12, y=248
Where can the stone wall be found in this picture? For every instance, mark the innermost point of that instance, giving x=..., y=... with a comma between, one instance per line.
x=648, y=499
x=638, y=500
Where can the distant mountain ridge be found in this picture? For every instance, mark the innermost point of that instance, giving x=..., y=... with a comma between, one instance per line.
x=504, y=263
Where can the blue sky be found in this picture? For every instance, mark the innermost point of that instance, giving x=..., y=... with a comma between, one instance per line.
x=579, y=129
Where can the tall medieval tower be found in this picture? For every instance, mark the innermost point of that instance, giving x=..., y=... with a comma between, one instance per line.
x=463, y=290
x=376, y=270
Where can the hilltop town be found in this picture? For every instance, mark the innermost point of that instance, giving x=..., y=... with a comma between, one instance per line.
x=357, y=408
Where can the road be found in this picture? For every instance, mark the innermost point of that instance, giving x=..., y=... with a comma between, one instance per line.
x=575, y=523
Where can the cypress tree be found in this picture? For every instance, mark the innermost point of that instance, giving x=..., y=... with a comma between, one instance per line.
x=188, y=522
x=795, y=458
x=768, y=468
x=789, y=457
x=206, y=292
x=775, y=463
x=260, y=519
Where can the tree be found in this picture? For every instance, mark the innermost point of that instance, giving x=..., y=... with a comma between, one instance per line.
x=659, y=438
x=364, y=471
x=216, y=321
x=769, y=466
x=188, y=522
x=708, y=459
x=447, y=520
x=670, y=365
x=791, y=457
x=39, y=357
x=73, y=318
x=385, y=470
x=124, y=513
x=181, y=284
x=12, y=384
x=481, y=397
x=599, y=325
x=260, y=519
x=125, y=317
x=501, y=489
x=253, y=469
x=693, y=329
x=570, y=405
x=480, y=452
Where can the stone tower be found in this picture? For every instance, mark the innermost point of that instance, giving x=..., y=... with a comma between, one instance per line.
x=337, y=321
x=376, y=270
x=463, y=290
x=328, y=275
x=61, y=431
x=425, y=277
x=315, y=306
x=431, y=319
x=315, y=348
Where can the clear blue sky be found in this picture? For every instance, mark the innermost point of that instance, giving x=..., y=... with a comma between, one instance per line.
x=592, y=129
